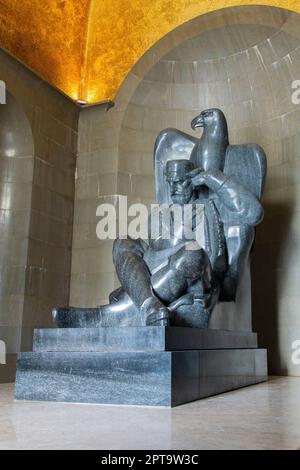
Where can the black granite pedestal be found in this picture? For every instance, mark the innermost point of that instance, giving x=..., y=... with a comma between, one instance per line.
x=156, y=366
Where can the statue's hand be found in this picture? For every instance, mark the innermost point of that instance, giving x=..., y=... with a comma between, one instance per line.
x=213, y=179
x=198, y=177
x=155, y=313
x=186, y=299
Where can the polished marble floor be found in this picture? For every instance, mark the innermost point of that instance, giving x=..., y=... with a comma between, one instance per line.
x=265, y=416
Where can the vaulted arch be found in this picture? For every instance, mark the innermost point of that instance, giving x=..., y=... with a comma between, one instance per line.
x=86, y=48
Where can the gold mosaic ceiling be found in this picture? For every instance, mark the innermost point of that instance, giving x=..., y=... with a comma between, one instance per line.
x=85, y=48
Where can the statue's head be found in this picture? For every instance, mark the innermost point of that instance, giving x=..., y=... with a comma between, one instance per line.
x=181, y=188
x=210, y=118
x=214, y=140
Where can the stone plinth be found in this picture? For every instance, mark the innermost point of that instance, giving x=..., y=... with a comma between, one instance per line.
x=156, y=366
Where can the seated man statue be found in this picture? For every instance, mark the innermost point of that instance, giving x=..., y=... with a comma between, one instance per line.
x=173, y=271
x=175, y=280
x=179, y=278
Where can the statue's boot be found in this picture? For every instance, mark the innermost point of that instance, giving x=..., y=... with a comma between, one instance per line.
x=151, y=313
x=121, y=311
x=154, y=313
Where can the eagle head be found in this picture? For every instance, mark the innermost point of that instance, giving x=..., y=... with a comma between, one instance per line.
x=209, y=118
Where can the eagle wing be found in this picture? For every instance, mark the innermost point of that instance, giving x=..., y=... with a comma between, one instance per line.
x=248, y=164
x=170, y=144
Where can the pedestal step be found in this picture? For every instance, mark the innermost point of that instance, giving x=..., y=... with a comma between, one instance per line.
x=140, y=339
x=158, y=378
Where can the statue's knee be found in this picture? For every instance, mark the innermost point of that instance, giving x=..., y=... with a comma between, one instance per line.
x=191, y=263
x=116, y=249
x=126, y=246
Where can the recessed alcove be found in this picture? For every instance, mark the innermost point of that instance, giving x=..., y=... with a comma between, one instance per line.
x=16, y=177
x=38, y=142
x=243, y=60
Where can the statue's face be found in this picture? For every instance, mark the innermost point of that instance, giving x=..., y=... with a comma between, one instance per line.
x=214, y=124
x=181, y=189
x=205, y=119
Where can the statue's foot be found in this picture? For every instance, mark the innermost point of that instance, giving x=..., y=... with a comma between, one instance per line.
x=73, y=317
x=155, y=313
x=161, y=318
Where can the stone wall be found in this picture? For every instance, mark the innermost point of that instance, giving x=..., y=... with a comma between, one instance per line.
x=38, y=159
x=16, y=177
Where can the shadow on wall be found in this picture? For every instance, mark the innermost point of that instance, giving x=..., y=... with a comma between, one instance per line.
x=268, y=264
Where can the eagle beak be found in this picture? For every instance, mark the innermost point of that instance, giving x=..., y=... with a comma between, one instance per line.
x=197, y=122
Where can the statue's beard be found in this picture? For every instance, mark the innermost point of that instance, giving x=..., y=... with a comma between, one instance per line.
x=203, y=192
x=180, y=199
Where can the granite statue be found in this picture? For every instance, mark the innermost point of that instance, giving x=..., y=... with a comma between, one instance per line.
x=177, y=277
x=178, y=280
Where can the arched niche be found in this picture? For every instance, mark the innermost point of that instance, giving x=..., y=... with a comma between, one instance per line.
x=245, y=63
x=16, y=177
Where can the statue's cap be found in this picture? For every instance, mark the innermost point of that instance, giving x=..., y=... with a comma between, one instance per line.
x=178, y=167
